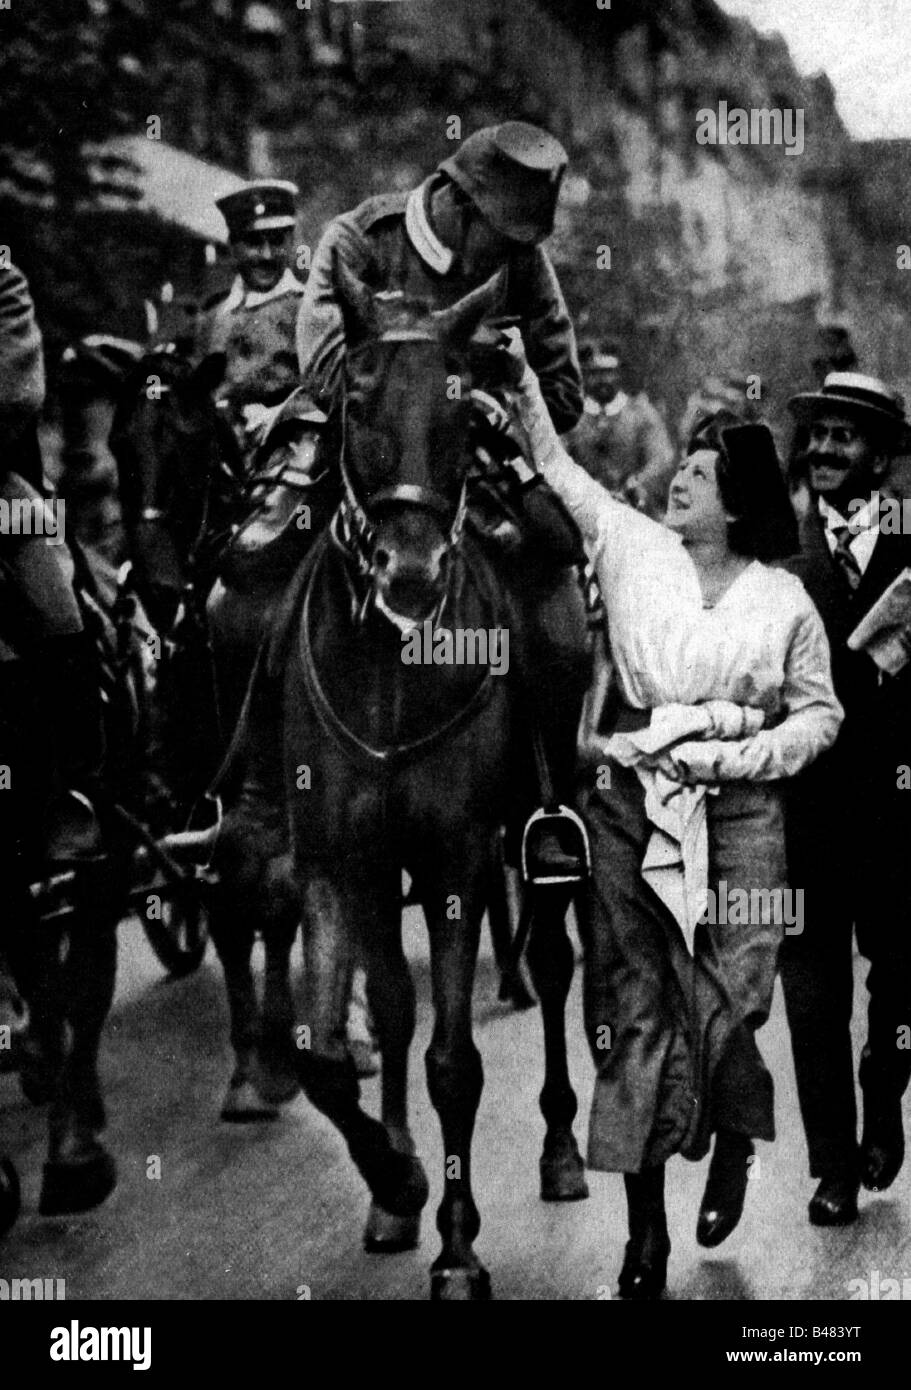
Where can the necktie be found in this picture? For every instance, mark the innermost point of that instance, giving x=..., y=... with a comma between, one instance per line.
x=844, y=556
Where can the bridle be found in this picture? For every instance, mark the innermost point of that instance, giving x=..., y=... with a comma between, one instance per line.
x=353, y=530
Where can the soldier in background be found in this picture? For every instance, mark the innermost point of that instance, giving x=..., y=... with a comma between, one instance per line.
x=621, y=439
x=254, y=322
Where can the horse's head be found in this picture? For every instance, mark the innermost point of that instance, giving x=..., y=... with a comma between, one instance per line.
x=169, y=441
x=406, y=448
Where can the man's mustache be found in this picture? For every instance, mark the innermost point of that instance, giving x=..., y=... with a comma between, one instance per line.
x=814, y=460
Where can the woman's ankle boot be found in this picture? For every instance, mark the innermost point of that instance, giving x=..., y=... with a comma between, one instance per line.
x=726, y=1188
x=644, y=1272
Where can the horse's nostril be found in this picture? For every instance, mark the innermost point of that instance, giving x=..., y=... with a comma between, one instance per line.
x=381, y=557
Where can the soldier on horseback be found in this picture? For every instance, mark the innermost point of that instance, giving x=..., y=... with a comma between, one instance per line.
x=484, y=211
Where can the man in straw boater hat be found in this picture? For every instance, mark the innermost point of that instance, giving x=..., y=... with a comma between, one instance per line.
x=849, y=816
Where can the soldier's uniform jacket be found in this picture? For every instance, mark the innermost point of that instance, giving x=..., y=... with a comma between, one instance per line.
x=388, y=243
x=625, y=441
x=256, y=332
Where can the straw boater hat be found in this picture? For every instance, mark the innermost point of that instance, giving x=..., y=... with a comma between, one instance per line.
x=863, y=398
x=512, y=173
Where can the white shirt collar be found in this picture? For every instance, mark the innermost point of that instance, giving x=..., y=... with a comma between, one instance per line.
x=420, y=233
x=865, y=518
x=863, y=527
x=592, y=407
x=240, y=297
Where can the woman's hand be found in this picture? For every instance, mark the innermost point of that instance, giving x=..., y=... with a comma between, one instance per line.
x=513, y=357
x=690, y=763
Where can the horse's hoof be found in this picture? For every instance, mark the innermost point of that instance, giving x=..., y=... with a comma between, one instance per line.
x=366, y=1058
x=563, y=1173
x=513, y=990
x=398, y=1183
x=277, y=1090
x=460, y=1285
x=387, y=1234
x=244, y=1105
x=69, y=1187
x=275, y=1086
x=10, y=1195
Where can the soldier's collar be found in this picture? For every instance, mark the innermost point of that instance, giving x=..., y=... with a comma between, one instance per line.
x=420, y=233
x=240, y=297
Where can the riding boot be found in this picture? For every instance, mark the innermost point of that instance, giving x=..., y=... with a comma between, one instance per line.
x=644, y=1273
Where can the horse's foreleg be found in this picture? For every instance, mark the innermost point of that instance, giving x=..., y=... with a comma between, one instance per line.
x=80, y=1172
x=551, y=961
x=335, y=917
x=277, y=1078
x=390, y=992
x=235, y=905
x=455, y=1078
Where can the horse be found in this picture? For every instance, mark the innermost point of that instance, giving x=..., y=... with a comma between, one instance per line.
x=388, y=765
x=208, y=579
x=50, y=730
x=182, y=491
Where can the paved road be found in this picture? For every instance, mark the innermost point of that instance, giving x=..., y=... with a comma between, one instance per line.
x=242, y=1213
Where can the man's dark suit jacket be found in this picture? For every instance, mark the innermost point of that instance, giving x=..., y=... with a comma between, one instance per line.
x=846, y=810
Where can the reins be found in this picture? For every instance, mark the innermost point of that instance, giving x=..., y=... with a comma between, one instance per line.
x=356, y=748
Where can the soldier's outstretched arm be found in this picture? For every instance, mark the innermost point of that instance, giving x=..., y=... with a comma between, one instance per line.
x=320, y=323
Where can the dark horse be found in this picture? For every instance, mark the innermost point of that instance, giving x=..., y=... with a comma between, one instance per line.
x=389, y=765
x=181, y=483
x=189, y=508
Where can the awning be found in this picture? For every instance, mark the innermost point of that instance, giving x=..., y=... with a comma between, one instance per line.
x=130, y=173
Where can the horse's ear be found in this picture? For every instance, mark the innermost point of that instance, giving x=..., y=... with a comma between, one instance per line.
x=458, y=322
x=356, y=298
x=209, y=374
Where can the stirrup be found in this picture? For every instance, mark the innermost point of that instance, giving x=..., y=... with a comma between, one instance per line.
x=568, y=831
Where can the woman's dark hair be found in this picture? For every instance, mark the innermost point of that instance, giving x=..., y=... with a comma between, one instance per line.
x=751, y=486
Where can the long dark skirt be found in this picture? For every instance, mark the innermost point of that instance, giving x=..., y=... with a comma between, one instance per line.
x=673, y=1035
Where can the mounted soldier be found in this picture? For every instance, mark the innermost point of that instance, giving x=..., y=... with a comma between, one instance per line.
x=481, y=217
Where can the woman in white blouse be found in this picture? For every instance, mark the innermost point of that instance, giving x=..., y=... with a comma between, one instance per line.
x=723, y=677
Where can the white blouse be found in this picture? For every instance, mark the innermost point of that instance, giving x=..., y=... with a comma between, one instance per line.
x=762, y=645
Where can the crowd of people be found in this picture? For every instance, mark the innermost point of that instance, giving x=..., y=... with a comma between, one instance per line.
x=753, y=744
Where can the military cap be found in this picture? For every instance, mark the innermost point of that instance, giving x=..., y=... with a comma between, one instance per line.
x=264, y=206
x=21, y=358
x=512, y=173
x=596, y=355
